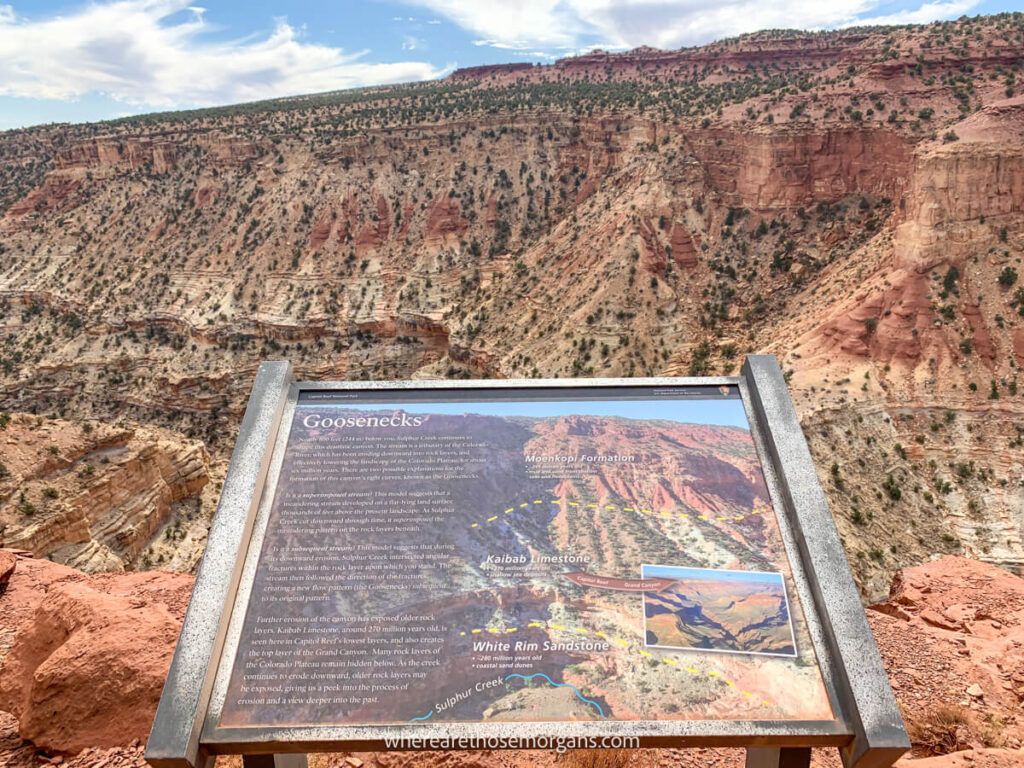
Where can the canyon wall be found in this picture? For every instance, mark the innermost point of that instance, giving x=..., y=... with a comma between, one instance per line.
x=848, y=200
x=94, y=499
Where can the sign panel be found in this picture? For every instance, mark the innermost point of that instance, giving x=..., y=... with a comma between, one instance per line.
x=535, y=554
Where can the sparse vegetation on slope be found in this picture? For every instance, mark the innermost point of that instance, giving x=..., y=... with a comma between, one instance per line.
x=611, y=214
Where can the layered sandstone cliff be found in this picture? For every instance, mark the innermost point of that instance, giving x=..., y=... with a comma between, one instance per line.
x=94, y=496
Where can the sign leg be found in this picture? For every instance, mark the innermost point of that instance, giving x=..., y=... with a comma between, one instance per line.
x=778, y=757
x=275, y=761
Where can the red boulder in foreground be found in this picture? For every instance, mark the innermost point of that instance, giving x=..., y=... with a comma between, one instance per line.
x=89, y=654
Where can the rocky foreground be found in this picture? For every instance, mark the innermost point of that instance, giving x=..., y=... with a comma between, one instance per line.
x=83, y=659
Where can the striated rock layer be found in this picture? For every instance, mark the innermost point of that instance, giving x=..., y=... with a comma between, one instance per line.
x=95, y=496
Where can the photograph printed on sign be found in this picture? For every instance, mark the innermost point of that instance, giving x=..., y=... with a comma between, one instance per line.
x=707, y=609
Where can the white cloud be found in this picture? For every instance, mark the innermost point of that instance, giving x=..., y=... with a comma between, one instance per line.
x=412, y=43
x=926, y=13
x=158, y=53
x=520, y=23
x=535, y=55
x=507, y=45
x=615, y=24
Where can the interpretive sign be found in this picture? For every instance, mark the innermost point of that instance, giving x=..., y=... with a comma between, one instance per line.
x=483, y=554
x=530, y=559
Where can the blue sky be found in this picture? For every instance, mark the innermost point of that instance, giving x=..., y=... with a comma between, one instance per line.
x=66, y=60
x=720, y=412
x=680, y=573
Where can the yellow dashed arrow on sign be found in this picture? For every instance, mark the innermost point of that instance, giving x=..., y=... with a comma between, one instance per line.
x=665, y=513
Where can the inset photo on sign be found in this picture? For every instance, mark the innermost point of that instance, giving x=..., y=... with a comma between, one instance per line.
x=707, y=609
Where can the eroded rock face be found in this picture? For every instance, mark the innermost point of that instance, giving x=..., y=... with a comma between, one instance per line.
x=963, y=193
x=89, y=654
x=92, y=496
x=917, y=341
x=769, y=171
x=154, y=154
x=962, y=199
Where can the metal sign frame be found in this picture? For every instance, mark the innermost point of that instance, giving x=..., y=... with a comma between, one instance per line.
x=867, y=728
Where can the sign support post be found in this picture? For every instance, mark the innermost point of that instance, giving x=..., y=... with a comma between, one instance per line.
x=275, y=761
x=778, y=757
